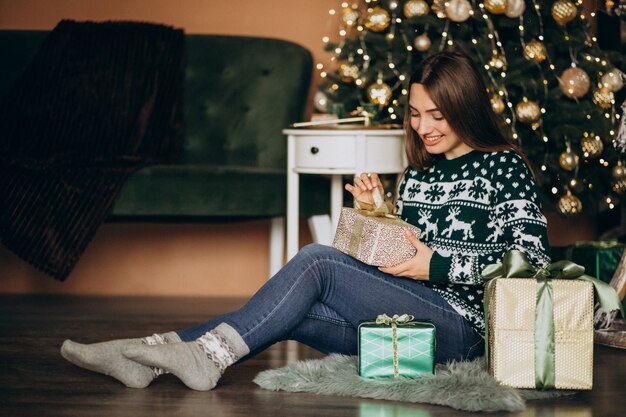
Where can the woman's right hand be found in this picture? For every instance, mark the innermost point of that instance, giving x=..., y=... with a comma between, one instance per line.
x=363, y=186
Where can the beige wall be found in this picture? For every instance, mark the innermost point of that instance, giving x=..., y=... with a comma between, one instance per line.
x=182, y=259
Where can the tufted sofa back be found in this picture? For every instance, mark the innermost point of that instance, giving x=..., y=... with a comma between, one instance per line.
x=239, y=93
x=236, y=89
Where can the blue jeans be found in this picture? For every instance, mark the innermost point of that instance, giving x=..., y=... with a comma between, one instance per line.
x=319, y=297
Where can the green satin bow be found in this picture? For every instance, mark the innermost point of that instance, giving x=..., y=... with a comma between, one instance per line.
x=515, y=265
x=394, y=321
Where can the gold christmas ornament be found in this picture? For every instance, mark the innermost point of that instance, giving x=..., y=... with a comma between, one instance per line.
x=591, y=146
x=569, y=205
x=568, y=160
x=613, y=80
x=422, y=43
x=414, y=8
x=564, y=11
x=458, y=10
x=527, y=111
x=377, y=19
x=619, y=186
x=496, y=6
x=348, y=72
x=515, y=8
x=497, y=62
x=604, y=98
x=439, y=8
x=350, y=17
x=535, y=51
x=497, y=104
x=574, y=82
x=379, y=93
x=619, y=172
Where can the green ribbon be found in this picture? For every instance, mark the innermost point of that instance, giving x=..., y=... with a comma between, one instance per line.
x=607, y=244
x=515, y=264
x=394, y=321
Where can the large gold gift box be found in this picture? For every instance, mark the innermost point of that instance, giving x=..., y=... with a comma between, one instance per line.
x=374, y=240
x=512, y=332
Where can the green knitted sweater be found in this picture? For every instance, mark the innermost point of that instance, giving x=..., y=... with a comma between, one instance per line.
x=471, y=210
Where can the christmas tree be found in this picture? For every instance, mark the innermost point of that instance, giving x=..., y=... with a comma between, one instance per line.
x=546, y=75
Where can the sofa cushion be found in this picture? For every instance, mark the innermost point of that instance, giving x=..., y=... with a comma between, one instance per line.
x=198, y=191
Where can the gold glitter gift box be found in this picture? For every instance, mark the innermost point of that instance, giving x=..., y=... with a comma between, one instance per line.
x=512, y=333
x=373, y=239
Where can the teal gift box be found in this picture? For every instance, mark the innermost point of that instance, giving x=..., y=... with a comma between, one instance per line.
x=600, y=259
x=393, y=347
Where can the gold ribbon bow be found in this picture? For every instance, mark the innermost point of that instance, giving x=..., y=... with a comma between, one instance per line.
x=380, y=208
x=394, y=321
x=515, y=264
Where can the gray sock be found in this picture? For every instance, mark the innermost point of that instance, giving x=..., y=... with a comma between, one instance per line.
x=198, y=364
x=106, y=358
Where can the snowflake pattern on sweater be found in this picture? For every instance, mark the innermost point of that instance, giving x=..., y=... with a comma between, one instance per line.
x=471, y=210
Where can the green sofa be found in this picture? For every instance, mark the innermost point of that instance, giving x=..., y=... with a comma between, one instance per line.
x=239, y=93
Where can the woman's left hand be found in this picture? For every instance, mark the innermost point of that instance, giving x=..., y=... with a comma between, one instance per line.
x=418, y=267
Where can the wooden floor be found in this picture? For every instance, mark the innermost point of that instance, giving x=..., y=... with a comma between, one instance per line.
x=36, y=381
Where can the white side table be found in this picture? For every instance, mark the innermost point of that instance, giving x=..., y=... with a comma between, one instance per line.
x=337, y=152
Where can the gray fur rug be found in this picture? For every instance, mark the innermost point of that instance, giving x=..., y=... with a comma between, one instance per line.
x=462, y=385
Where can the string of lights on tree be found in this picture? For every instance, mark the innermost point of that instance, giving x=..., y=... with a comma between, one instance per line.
x=546, y=76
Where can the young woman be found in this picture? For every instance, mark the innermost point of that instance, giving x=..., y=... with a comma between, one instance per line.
x=469, y=189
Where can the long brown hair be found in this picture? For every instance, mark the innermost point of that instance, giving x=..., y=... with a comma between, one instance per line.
x=455, y=85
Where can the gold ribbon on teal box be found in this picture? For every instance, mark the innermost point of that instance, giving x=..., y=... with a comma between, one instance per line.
x=515, y=265
x=412, y=350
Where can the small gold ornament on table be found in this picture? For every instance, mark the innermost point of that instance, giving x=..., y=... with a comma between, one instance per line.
x=528, y=111
x=379, y=93
x=348, y=72
x=496, y=6
x=320, y=101
x=350, y=17
x=497, y=104
x=619, y=172
x=568, y=160
x=535, y=51
x=422, y=42
x=613, y=80
x=439, y=8
x=591, y=145
x=564, y=11
x=515, y=8
x=458, y=10
x=414, y=8
x=574, y=82
x=569, y=205
x=604, y=98
x=377, y=19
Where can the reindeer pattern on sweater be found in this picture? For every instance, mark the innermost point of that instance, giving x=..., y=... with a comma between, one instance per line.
x=471, y=210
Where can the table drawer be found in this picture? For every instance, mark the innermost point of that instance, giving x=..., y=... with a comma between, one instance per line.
x=325, y=152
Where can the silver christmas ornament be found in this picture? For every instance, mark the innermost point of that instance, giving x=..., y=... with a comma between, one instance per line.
x=458, y=10
x=515, y=8
x=613, y=80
